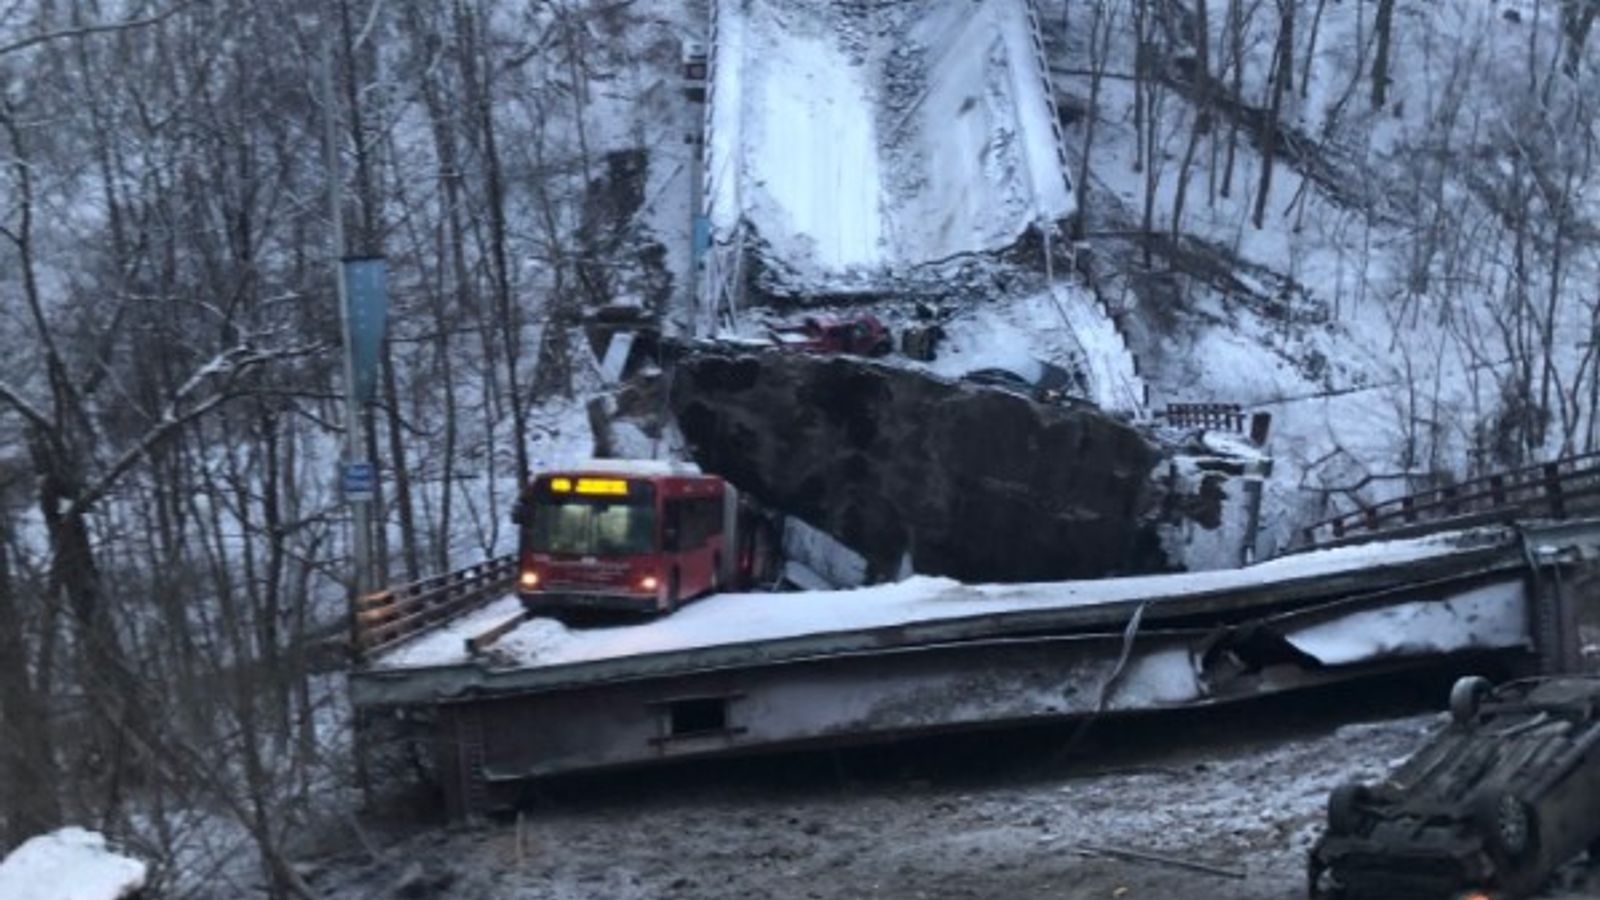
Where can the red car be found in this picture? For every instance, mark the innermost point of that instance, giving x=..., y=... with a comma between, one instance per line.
x=863, y=335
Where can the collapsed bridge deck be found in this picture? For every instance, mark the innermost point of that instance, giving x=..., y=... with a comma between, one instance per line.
x=848, y=143
x=735, y=673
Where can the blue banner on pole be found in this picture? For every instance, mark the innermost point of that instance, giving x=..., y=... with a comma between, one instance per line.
x=701, y=238
x=366, y=283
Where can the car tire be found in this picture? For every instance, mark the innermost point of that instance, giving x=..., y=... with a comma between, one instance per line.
x=1344, y=807
x=1321, y=884
x=1509, y=826
x=1466, y=699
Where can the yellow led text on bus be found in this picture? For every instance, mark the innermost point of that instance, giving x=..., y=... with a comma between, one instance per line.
x=614, y=487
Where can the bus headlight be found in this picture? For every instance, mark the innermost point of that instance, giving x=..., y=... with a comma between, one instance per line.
x=649, y=583
x=529, y=580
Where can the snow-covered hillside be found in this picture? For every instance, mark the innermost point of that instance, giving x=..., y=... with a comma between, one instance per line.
x=1412, y=305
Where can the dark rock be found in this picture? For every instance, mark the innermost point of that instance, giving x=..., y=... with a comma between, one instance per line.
x=977, y=484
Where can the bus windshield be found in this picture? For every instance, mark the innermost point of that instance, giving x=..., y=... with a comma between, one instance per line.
x=584, y=527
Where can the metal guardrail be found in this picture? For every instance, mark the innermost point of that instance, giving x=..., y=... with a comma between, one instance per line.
x=1553, y=488
x=386, y=617
x=1219, y=417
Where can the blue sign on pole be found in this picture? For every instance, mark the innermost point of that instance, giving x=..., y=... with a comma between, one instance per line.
x=366, y=282
x=358, y=480
x=701, y=238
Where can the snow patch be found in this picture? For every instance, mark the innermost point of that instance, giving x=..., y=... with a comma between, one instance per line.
x=1492, y=617
x=69, y=864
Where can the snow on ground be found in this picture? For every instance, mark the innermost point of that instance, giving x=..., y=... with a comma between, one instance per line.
x=69, y=864
x=857, y=143
x=445, y=645
x=1061, y=325
x=737, y=618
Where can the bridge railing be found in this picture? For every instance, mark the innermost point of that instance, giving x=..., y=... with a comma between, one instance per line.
x=1551, y=489
x=386, y=617
x=1218, y=417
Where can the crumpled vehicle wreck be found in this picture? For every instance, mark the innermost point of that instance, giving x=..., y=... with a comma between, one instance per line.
x=1490, y=807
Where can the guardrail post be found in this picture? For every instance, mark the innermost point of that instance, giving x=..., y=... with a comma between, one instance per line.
x=1408, y=508
x=1552, y=490
x=1447, y=497
x=1497, y=489
x=1260, y=425
x=1369, y=517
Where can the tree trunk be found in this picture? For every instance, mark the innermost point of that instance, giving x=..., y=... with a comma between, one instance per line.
x=1236, y=52
x=1099, y=45
x=29, y=803
x=1380, y=59
x=1280, y=85
x=1202, y=110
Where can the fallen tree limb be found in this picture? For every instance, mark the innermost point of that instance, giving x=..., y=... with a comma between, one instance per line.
x=1160, y=859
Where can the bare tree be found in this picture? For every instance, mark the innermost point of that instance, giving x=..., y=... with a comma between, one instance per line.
x=1282, y=62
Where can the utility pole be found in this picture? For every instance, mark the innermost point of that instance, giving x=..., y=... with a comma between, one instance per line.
x=695, y=72
x=357, y=490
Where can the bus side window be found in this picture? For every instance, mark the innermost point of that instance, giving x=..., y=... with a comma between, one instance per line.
x=707, y=521
x=671, y=525
x=713, y=518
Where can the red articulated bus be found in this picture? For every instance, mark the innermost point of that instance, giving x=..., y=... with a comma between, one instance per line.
x=636, y=535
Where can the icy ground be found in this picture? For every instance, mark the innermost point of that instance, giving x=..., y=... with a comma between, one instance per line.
x=996, y=816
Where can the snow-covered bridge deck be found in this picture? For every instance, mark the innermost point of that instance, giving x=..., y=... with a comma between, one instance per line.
x=942, y=608
x=740, y=672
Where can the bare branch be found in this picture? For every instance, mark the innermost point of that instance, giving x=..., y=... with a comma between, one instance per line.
x=125, y=25
x=228, y=365
x=30, y=412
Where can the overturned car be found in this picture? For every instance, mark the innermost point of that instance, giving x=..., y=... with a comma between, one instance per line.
x=1490, y=807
